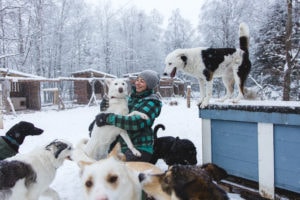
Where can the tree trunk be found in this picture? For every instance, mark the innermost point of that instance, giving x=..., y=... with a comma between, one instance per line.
x=20, y=40
x=288, y=48
x=2, y=51
x=38, y=38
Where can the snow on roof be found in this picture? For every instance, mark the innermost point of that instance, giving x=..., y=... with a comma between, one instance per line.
x=94, y=71
x=10, y=72
x=257, y=106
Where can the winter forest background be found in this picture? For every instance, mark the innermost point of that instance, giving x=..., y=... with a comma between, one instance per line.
x=53, y=38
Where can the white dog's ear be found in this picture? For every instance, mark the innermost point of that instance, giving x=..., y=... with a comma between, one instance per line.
x=82, y=164
x=117, y=153
x=108, y=81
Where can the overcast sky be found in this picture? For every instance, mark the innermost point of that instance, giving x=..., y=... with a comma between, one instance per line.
x=189, y=9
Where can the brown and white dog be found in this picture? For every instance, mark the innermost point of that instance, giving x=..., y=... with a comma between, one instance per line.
x=182, y=182
x=112, y=178
x=232, y=64
x=28, y=176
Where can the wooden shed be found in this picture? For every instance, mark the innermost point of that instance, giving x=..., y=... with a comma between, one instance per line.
x=20, y=89
x=169, y=87
x=84, y=89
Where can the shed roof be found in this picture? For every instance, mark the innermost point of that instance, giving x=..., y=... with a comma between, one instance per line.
x=4, y=72
x=93, y=73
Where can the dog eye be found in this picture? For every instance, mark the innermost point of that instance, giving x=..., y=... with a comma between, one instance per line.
x=89, y=183
x=170, y=63
x=112, y=179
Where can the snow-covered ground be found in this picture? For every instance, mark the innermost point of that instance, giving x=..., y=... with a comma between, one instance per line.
x=72, y=125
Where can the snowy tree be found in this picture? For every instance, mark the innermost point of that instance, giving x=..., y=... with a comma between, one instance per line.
x=219, y=21
x=179, y=33
x=14, y=18
x=272, y=53
x=138, y=31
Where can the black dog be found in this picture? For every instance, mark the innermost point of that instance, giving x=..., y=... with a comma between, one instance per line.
x=173, y=150
x=14, y=137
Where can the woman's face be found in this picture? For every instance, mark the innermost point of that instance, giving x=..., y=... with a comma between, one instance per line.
x=140, y=85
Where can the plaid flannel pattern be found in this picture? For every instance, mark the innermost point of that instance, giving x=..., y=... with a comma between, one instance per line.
x=138, y=129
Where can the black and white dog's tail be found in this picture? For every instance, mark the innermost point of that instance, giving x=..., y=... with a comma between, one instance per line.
x=245, y=67
x=244, y=37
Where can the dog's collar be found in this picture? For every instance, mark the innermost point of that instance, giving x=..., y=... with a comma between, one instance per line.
x=12, y=140
x=113, y=97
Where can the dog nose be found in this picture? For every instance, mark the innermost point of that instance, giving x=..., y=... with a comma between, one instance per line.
x=141, y=177
x=165, y=74
x=120, y=90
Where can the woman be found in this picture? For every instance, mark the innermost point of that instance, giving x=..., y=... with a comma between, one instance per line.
x=142, y=99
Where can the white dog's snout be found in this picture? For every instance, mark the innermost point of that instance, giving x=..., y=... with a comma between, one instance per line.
x=102, y=197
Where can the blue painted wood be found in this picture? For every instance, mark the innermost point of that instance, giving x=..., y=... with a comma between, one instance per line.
x=246, y=116
x=287, y=157
x=234, y=147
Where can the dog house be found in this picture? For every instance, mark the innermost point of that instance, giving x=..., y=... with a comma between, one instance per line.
x=169, y=87
x=259, y=143
x=20, y=90
x=89, y=82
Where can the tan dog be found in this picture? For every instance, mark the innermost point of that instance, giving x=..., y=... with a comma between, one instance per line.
x=113, y=179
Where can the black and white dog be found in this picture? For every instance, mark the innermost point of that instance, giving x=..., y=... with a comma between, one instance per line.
x=14, y=137
x=232, y=64
x=173, y=150
x=28, y=176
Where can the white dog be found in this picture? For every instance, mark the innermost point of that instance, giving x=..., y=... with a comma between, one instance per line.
x=233, y=65
x=113, y=179
x=28, y=176
x=102, y=137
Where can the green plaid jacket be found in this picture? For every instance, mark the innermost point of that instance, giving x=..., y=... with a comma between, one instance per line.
x=138, y=129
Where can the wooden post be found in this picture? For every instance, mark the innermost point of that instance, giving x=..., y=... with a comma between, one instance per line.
x=1, y=108
x=55, y=96
x=188, y=96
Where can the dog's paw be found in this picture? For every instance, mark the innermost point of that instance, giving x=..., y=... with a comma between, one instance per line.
x=143, y=116
x=204, y=103
x=136, y=152
x=237, y=99
x=222, y=99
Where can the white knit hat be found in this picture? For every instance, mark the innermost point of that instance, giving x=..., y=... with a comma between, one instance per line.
x=151, y=78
